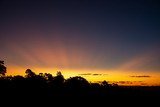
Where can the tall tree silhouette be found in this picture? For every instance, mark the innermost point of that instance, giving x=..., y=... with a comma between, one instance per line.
x=58, y=80
x=2, y=68
x=30, y=73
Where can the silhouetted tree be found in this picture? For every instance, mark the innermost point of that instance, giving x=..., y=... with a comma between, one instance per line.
x=30, y=73
x=58, y=80
x=115, y=85
x=105, y=83
x=95, y=85
x=18, y=80
x=2, y=68
x=77, y=82
x=48, y=76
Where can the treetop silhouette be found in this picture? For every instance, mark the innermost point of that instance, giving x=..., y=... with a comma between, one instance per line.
x=2, y=68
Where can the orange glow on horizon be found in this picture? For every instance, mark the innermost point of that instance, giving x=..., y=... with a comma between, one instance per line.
x=112, y=76
x=73, y=62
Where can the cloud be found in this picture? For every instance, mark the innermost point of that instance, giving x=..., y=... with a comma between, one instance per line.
x=128, y=82
x=95, y=74
x=141, y=76
x=85, y=74
x=125, y=82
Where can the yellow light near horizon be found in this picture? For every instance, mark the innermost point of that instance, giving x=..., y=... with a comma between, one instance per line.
x=108, y=75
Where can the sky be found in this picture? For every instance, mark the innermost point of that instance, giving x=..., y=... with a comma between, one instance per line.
x=113, y=40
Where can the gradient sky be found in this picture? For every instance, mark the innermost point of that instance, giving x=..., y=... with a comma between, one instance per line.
x=115, y=40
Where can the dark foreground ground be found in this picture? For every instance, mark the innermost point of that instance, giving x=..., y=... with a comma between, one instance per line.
x=130, y=96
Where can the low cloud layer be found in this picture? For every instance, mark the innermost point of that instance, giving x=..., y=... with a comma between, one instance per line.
x=140, y=76
x=95, y=74
x=129, y=82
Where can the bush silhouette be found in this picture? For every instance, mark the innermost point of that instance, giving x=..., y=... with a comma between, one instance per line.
x=77, y=82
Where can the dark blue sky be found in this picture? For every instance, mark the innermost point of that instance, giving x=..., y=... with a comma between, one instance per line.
x=89, y=34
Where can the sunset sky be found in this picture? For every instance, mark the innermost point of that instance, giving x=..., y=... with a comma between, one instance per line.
x=113, y=40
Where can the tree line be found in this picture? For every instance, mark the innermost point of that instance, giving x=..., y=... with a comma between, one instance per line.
x=46, y=87
x=48, y=83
